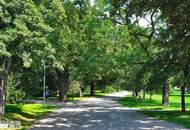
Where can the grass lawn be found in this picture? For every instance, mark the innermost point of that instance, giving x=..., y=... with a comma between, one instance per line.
x=155, y=109
x=27, y=113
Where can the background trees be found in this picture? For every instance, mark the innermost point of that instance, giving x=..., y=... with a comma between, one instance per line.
x=94, y=44
x=168, y=35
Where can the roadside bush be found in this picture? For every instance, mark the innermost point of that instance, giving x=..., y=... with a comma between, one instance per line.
x=15, y=94
x=74, y=89
x=110, y=89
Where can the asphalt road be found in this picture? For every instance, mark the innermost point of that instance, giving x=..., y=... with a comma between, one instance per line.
x=102, y=113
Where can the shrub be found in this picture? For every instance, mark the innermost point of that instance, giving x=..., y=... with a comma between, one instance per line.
x=74, y=89
x=110, y=89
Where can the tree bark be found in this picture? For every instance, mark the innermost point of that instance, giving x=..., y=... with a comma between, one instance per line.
x=183, y=107
x=144, y=95
x=3, y=84
x=80, y=93
x=63, y=84
x=165, y=94
x=150, y=96
x=92, y=91
x=136, y=93
x=133, y=94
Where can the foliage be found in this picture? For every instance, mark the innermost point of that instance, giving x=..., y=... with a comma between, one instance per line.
x=26, y=113
x=110, y=89
x=74, y=89
x=101, y=44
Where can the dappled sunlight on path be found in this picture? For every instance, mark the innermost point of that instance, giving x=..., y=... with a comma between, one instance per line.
x=102, y=113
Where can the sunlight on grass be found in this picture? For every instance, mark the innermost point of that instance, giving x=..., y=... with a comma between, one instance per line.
x=26, y=113
x=155, y=109
x=155, y=103
x=170, y=115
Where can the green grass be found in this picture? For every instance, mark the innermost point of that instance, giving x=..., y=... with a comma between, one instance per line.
x=155, y=109
x=171, y=116
x=27, y=113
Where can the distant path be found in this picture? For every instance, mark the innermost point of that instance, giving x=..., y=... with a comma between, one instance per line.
x=101, y=113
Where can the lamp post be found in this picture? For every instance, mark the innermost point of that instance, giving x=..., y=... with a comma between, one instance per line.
x=44, y=85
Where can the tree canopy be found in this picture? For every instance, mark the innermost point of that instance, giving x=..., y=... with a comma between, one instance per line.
x=95, y=44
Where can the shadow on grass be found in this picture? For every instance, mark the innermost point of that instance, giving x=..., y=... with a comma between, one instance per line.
x=134, y=102
x=153, y=104
x=170, y=115
x=26, y=113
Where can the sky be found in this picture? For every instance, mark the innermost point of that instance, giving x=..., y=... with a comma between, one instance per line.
x=92, y=2
x=142, y=22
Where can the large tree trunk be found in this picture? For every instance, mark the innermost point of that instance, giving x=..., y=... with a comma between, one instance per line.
x=165, y=93
x=144, y=95
x=183, y=107
x=3, y=84
x=151, y=96
x=63, y=84
x=136, y=93
x=185, y=71
x=92, y=88
x=80, y=94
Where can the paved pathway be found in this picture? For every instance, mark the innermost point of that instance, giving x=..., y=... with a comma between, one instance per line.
x=103, y=113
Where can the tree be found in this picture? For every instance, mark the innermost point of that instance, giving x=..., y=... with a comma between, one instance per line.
x=168, y=25
x=22, y=30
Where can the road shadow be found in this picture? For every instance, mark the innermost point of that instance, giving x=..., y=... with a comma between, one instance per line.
x=101, y=113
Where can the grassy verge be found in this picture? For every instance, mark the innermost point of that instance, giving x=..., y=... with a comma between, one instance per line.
x=27, y=113
x=155, y=109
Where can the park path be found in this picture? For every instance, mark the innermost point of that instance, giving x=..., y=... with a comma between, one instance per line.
x=101, y=113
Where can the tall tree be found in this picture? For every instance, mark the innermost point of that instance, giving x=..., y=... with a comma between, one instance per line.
x=22, y=30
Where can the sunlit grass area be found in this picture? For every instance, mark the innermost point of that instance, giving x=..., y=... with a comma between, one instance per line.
x=27, y=113
x=155, y=103
x=154, y=108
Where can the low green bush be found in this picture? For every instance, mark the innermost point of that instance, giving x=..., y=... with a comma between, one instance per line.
x=110, y=89
x=74, y=89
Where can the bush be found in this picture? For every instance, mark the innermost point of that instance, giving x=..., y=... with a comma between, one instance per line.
x=74, y=89
x=16, y=96
x=110, y=89
x=14, y=93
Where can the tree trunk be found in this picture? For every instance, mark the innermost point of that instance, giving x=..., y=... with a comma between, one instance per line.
x=63, y=84
x=133, y=94
x=136, y=93
x=150, y=96
x=139, y=96
x=92, y=92
x=183, y=107
x=165, y=94
x=144, y=95
x=80, y=93
x=3, y=84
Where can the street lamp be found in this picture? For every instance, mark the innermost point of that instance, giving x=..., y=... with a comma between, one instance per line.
x=44, y=84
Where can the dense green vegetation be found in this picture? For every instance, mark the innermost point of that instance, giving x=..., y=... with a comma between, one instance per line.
x=154, y=107
x=81, y=46
x=27, y=113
